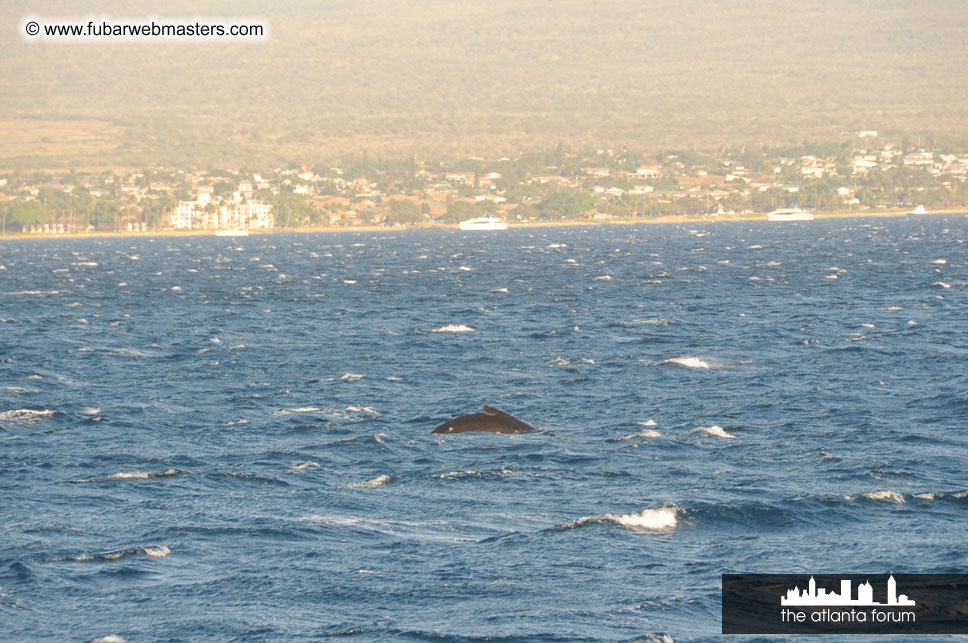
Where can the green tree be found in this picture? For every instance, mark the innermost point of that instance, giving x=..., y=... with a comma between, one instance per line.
x=567, y=205
x=404, y=211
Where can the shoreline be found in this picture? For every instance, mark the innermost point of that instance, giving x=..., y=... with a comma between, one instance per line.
x=843, y=214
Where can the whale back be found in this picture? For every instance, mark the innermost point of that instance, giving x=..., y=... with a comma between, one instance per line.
x=490, y=420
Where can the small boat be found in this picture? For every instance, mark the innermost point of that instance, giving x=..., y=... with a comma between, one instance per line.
x=796, y=213
x=232, y=233
x=918, y=210
x=490, y=222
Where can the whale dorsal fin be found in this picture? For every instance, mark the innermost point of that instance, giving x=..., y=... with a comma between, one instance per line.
x=490, y=410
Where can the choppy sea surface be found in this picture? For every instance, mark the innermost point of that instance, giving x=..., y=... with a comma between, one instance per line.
x=211, y=438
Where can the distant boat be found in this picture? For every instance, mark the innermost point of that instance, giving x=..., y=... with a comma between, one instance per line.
x=796, y=213
x=232, y=233
x=918, y=210
x=484, y=223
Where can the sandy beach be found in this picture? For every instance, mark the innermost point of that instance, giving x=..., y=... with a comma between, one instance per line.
x=512, y=224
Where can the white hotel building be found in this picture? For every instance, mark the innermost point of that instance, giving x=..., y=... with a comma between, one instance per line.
x=235, y=214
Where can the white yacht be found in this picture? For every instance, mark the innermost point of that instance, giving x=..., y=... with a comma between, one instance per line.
x=918, y=210
x=484, y=223
x=796, y=213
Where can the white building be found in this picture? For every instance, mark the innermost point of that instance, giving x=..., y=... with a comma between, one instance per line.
x=183, y=215
x=251, y=215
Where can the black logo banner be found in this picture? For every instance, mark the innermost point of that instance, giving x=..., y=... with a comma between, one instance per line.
x=845, y=604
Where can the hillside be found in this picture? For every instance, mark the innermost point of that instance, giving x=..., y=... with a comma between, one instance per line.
x=435, y=77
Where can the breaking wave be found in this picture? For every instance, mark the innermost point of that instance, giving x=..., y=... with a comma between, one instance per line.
x=304, y=465
x=298, y=409
x=131, y=475
x=372, y=483
x=688, y=362
x=715, y=431
x=645, y=433
x=26, y=415
x=654, y=519
x=453, y=328
x=149, y=552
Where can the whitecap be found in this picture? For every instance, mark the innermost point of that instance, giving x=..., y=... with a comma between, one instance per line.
x=689, y=362
x=653, y=519
x=924, y=496
x=656, y=518
x=644, y=433
x=500, y=290
x=940, y=262
x=456, y=474
x=379, y=481
x=464, y=268
x=25, y=415
x=150, y=552
x=714, y=431
x=352, y=377
x=647, y=423
x=942, y=284
x=305, y=465
x=33, y=292
x=90, y=410
x=652, y=321
x=362, y=409
x=19, y=390
x=889, y=496
x=603, y=278
x=130, y=475
x=298, y=409
x=156, y=552
x=110, y=638
x=453, y=328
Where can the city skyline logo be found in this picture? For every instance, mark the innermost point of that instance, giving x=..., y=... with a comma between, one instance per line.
x=814, y=596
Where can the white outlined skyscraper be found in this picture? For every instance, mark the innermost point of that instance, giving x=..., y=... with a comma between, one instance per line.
x=865, y=595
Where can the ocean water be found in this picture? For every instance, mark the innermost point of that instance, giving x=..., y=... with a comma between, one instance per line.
x=211, y=438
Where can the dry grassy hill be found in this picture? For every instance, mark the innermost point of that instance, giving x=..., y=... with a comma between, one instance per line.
x=438, y=77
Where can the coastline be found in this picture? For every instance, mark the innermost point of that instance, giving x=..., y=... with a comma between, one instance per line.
x=841, y=214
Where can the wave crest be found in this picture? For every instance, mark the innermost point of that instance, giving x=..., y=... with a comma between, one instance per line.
x=651, y=519
x=688, y=362
x=144, y=550
x=372, y=483
x=714, y=431
x=131, y=475
x=644, y=433
x=453, y=328
x=25, y=415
